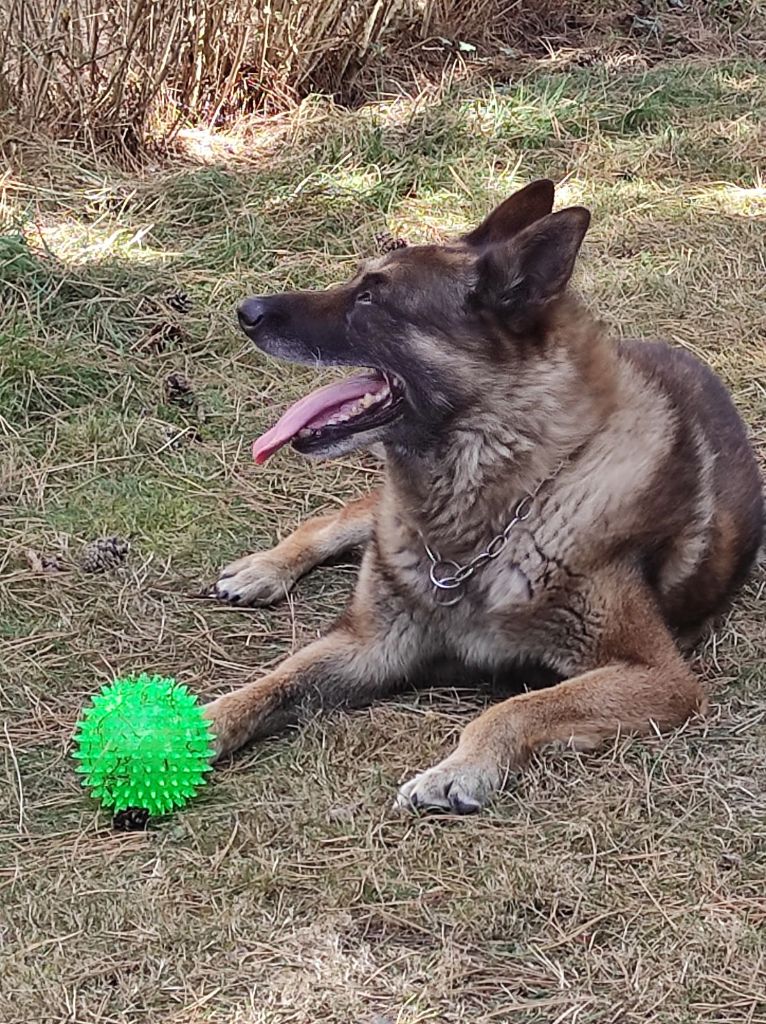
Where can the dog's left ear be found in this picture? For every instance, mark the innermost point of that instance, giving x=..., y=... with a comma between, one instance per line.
x=518, y=278
x=520, y=210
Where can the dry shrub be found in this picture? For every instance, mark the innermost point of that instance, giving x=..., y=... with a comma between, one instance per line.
x=112, y=69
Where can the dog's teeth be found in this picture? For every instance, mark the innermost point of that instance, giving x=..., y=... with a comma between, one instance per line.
x=372, y=398
x=360, y=406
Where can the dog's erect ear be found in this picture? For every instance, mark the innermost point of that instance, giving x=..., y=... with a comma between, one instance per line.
x=516, y=213
x=520, y=276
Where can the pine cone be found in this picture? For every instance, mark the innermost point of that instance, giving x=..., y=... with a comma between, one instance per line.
x=103, y=554
x=178, y=389
x=132, y=819
x=163, y=334
x=179, y=301
x=386, y=242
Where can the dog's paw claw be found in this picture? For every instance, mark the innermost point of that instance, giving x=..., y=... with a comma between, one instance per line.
x=254, y=580
x=452, y=787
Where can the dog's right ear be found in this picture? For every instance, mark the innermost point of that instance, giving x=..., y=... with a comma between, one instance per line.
x=517, y=279
x=516, y=213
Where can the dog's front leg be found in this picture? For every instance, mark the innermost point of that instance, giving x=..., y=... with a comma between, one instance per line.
x=267, y=576
x=354, y=664
x=641, y=685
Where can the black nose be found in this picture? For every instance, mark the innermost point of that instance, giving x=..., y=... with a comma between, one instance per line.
x=251, y=312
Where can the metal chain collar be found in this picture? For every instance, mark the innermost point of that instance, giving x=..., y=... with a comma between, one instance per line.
x=445, y=583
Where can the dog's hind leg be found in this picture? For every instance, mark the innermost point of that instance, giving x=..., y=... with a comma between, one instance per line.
x=634, y=681
x=266, y=576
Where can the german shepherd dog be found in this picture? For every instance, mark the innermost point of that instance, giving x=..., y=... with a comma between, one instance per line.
x=552, y=498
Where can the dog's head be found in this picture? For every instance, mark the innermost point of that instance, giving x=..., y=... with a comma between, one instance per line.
x=432, y=323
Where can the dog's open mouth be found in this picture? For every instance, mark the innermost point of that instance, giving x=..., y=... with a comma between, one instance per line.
x=331, y=413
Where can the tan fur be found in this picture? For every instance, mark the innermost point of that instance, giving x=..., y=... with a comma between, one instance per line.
x=634, y=538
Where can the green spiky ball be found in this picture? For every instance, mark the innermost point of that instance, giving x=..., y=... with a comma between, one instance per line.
x=143, y=742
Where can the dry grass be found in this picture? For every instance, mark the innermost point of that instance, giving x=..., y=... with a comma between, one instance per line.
x=627, y=886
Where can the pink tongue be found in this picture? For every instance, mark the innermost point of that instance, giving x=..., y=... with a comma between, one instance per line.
x=315, y=409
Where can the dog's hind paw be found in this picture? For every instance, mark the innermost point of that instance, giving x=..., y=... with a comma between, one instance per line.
x=254, y=580
x=455, y=786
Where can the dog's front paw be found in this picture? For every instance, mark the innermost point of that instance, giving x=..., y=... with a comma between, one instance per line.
x=457, y=786
x=256, y=579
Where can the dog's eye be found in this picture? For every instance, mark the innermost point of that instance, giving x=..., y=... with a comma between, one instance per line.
x=365, y=298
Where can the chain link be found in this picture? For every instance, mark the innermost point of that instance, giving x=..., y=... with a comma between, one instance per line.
x=449, y=588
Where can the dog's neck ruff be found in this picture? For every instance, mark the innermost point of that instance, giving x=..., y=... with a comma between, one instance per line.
x=448, y=578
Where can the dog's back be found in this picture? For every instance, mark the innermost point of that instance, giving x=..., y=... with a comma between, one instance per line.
x=710, y=482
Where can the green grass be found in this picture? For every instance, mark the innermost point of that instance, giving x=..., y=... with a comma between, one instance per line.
x=624, y=886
